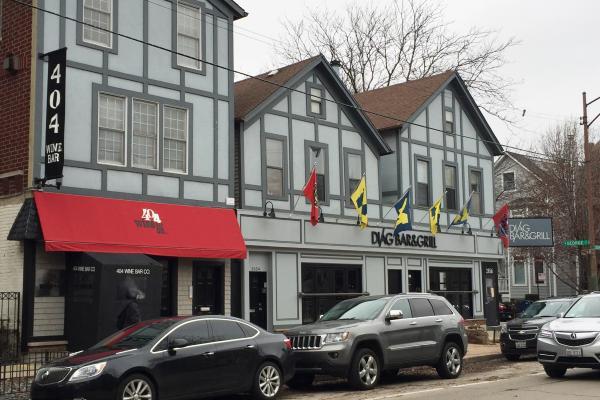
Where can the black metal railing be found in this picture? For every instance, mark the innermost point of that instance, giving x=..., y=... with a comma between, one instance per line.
x=17, y=375
x=10, y=325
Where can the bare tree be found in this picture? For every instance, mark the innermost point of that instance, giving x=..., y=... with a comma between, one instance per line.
x=386, y=42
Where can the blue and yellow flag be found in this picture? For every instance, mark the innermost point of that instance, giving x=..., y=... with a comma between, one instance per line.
x=402, y=206
x=359, y=198
x=463, y=216
x=434, y=216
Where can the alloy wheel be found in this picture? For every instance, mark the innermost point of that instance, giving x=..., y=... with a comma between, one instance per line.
x=269, y=381
x=453, y=361
x=367, y=369
x=137, y=389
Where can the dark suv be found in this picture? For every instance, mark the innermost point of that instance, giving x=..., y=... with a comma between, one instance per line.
x=519, y=336
x=362, y=337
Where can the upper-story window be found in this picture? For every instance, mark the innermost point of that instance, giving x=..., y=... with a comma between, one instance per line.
x=422, y=179
x=144, y=152
x=354, y=167
x=275, y=166
x=448, y=112
x=508, y=181
x=315, y=104
x=99, y=14
x=189, y=36
x=175, y=133
x=317, y=157
x=111, y=129
x=476, y=199
x=451, y=187
x=389, y=172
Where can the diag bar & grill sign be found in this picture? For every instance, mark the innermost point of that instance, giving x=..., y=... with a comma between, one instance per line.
x=55, y=114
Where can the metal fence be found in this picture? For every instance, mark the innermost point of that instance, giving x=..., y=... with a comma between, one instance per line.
x=10, y=325
x=16, y=376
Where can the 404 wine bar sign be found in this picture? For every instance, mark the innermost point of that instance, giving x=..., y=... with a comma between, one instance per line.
x=55, y=114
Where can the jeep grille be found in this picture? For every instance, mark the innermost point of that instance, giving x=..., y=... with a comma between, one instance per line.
x=306, y=342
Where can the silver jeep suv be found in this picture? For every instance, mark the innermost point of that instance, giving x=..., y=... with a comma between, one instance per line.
x=362, y=338
x=573, y=340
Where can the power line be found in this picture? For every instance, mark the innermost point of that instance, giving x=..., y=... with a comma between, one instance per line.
x=213, y=64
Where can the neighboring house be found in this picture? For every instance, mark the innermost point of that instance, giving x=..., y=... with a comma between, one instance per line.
x=141, y=124
x=526, y=272
x=295, y=271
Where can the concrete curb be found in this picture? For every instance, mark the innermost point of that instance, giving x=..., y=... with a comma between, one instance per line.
x=484, y=357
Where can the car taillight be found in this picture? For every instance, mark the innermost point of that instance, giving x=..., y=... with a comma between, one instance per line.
x=288, y=343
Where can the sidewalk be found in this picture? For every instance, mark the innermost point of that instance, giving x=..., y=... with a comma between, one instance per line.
x=483, y=352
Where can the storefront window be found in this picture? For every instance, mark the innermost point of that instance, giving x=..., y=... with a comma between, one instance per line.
x=519, y=275
x=49, y=281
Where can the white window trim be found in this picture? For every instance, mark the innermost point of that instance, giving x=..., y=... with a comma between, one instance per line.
x=158, y=131
x=199, y=63
x=110, y=35
x=525, y=266
x=125, y=132
x=515, y=180
x=187, y=141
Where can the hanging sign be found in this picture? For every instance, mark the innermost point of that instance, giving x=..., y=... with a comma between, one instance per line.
x=55, y=114
x=530, y=232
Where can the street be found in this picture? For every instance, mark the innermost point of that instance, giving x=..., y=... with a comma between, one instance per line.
x=494, y=380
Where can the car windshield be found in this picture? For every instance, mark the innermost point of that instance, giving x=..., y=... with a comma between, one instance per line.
x=546, y=309
x=587, y=307
x=135, y=336
x=359, y=309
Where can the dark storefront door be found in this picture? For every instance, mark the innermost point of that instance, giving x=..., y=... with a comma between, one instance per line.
x=258, y=298
x=456, y=285
x=490, y=298
x=394, y=281
x=326, y=285
x=415, y=281
x=208, y=289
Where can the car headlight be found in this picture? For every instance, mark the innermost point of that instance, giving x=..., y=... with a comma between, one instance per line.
x=503, y=327
x=88, y=372
x=545, y=333
x=336, y=337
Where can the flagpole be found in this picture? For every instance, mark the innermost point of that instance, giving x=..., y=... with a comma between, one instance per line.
x=392, y=207
x=439, y=198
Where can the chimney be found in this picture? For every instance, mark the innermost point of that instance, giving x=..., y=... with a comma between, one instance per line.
x=337, y=67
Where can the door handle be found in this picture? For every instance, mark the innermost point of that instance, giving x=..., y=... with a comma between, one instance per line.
x=250, y=346
x=439, y=320
x=208, y=354
x=413, y=323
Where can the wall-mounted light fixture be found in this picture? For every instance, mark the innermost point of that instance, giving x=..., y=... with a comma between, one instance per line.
x=271, y=213
x=11, y=63
x=321, y=215
x=469, y=231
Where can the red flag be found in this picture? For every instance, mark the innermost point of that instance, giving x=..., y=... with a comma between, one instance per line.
x=310, y=192
x=501, y=222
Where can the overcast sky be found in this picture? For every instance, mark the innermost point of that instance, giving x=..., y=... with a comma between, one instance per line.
x=557, y=59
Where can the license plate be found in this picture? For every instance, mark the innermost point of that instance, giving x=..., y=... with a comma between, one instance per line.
x=573, y=352
x=521, y=345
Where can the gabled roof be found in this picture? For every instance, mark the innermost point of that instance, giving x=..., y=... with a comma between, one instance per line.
x=237, y=11
x=531, y=165
x=400, y=101
x=252, y=94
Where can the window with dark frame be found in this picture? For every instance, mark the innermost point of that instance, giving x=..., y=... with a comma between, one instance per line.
x=389, y=172
x=448, y=112
x=475, y=186
x=540, y=275
x=422, y=189
x=275, y=167
x=112, y=123
x=98, y=14
x=508, y=179
x=144, y=134
x=451, y=187
x=189, y=36
x=175, y=136
x=354, y=163
x=317, y=157
x=315, y=101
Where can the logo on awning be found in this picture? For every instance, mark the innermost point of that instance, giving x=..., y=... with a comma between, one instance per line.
x=150, y=219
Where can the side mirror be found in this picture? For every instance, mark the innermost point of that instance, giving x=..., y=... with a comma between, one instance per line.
x=177, y=344
x=394, y=314
x=560, y=315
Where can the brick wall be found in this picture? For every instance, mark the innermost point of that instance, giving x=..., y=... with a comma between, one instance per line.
x=15, y=97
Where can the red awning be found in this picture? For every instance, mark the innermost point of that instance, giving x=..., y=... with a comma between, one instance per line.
x=96, y=224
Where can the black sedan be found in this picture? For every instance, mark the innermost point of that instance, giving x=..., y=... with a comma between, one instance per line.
x=173, y=358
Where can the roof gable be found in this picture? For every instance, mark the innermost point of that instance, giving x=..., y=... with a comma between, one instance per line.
x=252, y=95
x=234, y=9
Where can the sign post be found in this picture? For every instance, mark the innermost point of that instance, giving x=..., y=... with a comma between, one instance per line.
x=55, y=115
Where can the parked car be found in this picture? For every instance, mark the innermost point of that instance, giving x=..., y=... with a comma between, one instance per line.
x=572, y=341
x=505, y=312
x=173, y=358
x=518, y=337
x=362, y=337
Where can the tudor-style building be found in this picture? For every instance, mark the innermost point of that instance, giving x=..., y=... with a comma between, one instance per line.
x=295, y=271
x=148, y=133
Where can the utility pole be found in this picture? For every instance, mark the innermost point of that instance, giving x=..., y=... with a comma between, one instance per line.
x=593, y=284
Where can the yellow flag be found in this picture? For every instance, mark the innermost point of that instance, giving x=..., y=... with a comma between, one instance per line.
x=434, y=216
x=359, y=198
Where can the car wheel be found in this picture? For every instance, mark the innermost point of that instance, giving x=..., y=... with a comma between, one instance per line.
x=267, y=381
x=364, y=371
x=512, y=357
x=555, y=372
x=301, y=381
x=136, y=387
x=451, y=361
